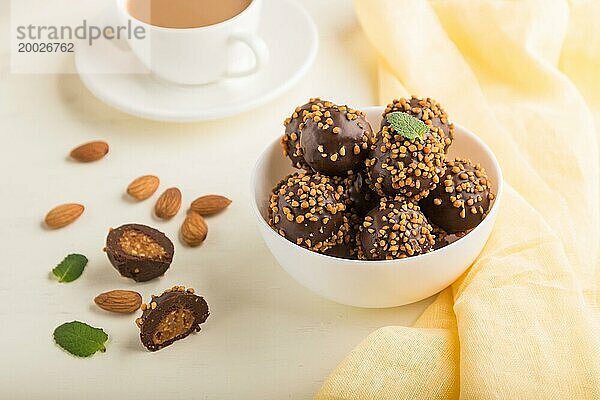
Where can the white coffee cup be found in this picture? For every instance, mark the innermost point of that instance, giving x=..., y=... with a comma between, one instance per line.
x=196, y=56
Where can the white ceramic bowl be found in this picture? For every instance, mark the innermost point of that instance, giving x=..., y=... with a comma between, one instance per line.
x=375, y=284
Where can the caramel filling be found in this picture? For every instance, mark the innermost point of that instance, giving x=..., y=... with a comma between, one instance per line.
x=177, y=322
x=136, y=243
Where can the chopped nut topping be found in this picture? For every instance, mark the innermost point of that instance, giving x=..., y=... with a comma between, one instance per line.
x=177, y=322
x=136, y=243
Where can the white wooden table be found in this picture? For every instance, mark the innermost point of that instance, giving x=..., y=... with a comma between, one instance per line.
x=267, y=337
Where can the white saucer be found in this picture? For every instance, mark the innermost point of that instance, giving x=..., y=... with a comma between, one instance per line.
x=287, y=29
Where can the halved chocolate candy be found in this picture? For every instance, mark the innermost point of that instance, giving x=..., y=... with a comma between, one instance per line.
x=139, y=252
x=171, y=316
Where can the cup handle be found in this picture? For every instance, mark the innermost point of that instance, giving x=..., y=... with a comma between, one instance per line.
x=258, y=47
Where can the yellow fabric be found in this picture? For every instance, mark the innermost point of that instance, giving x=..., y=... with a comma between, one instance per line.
x=524, y=321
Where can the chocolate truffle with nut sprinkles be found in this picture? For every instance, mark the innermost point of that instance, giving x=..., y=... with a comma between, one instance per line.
x=335, y=138
x=408, y=154
x=463, y=198
x=139, y=252
x=361, y=198
x=396, y=229
x=308, y=209
x=170, y=317
x=430, y=112
x=290, y=141
x=348, y=249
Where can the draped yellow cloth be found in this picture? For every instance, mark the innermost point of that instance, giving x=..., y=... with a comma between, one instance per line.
x=524, y=321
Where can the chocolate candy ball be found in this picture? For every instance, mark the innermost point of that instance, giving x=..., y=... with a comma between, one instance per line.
x=442, y=238
x=348, y=249
x=463, y=198
x=411, y=167
x=308, y=209
x=171, y=316
x=430, y=112
x=360, y=198
x=139, y=252
x=334, y=139
x=290, y=141
x=395, y=229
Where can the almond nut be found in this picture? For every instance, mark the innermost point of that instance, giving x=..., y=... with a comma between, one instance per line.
x=194, y=229
x=91, y=151
x=119, y=301
x=168, y=203
x=63, y=215
x=143, y=187
x=210, y=204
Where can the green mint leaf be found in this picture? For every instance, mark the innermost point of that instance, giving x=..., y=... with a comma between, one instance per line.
x=80, y=339
x=70, y=268
x=407, y=125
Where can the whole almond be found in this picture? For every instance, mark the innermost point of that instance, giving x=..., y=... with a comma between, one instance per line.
x=168, y=203
x=91, y=151
x=119, y=301
x=63, y=215
x=194, y=229
x=210, y=204
x=143, y=187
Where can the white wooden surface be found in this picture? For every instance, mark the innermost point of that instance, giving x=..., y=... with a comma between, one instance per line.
x=266, y=338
